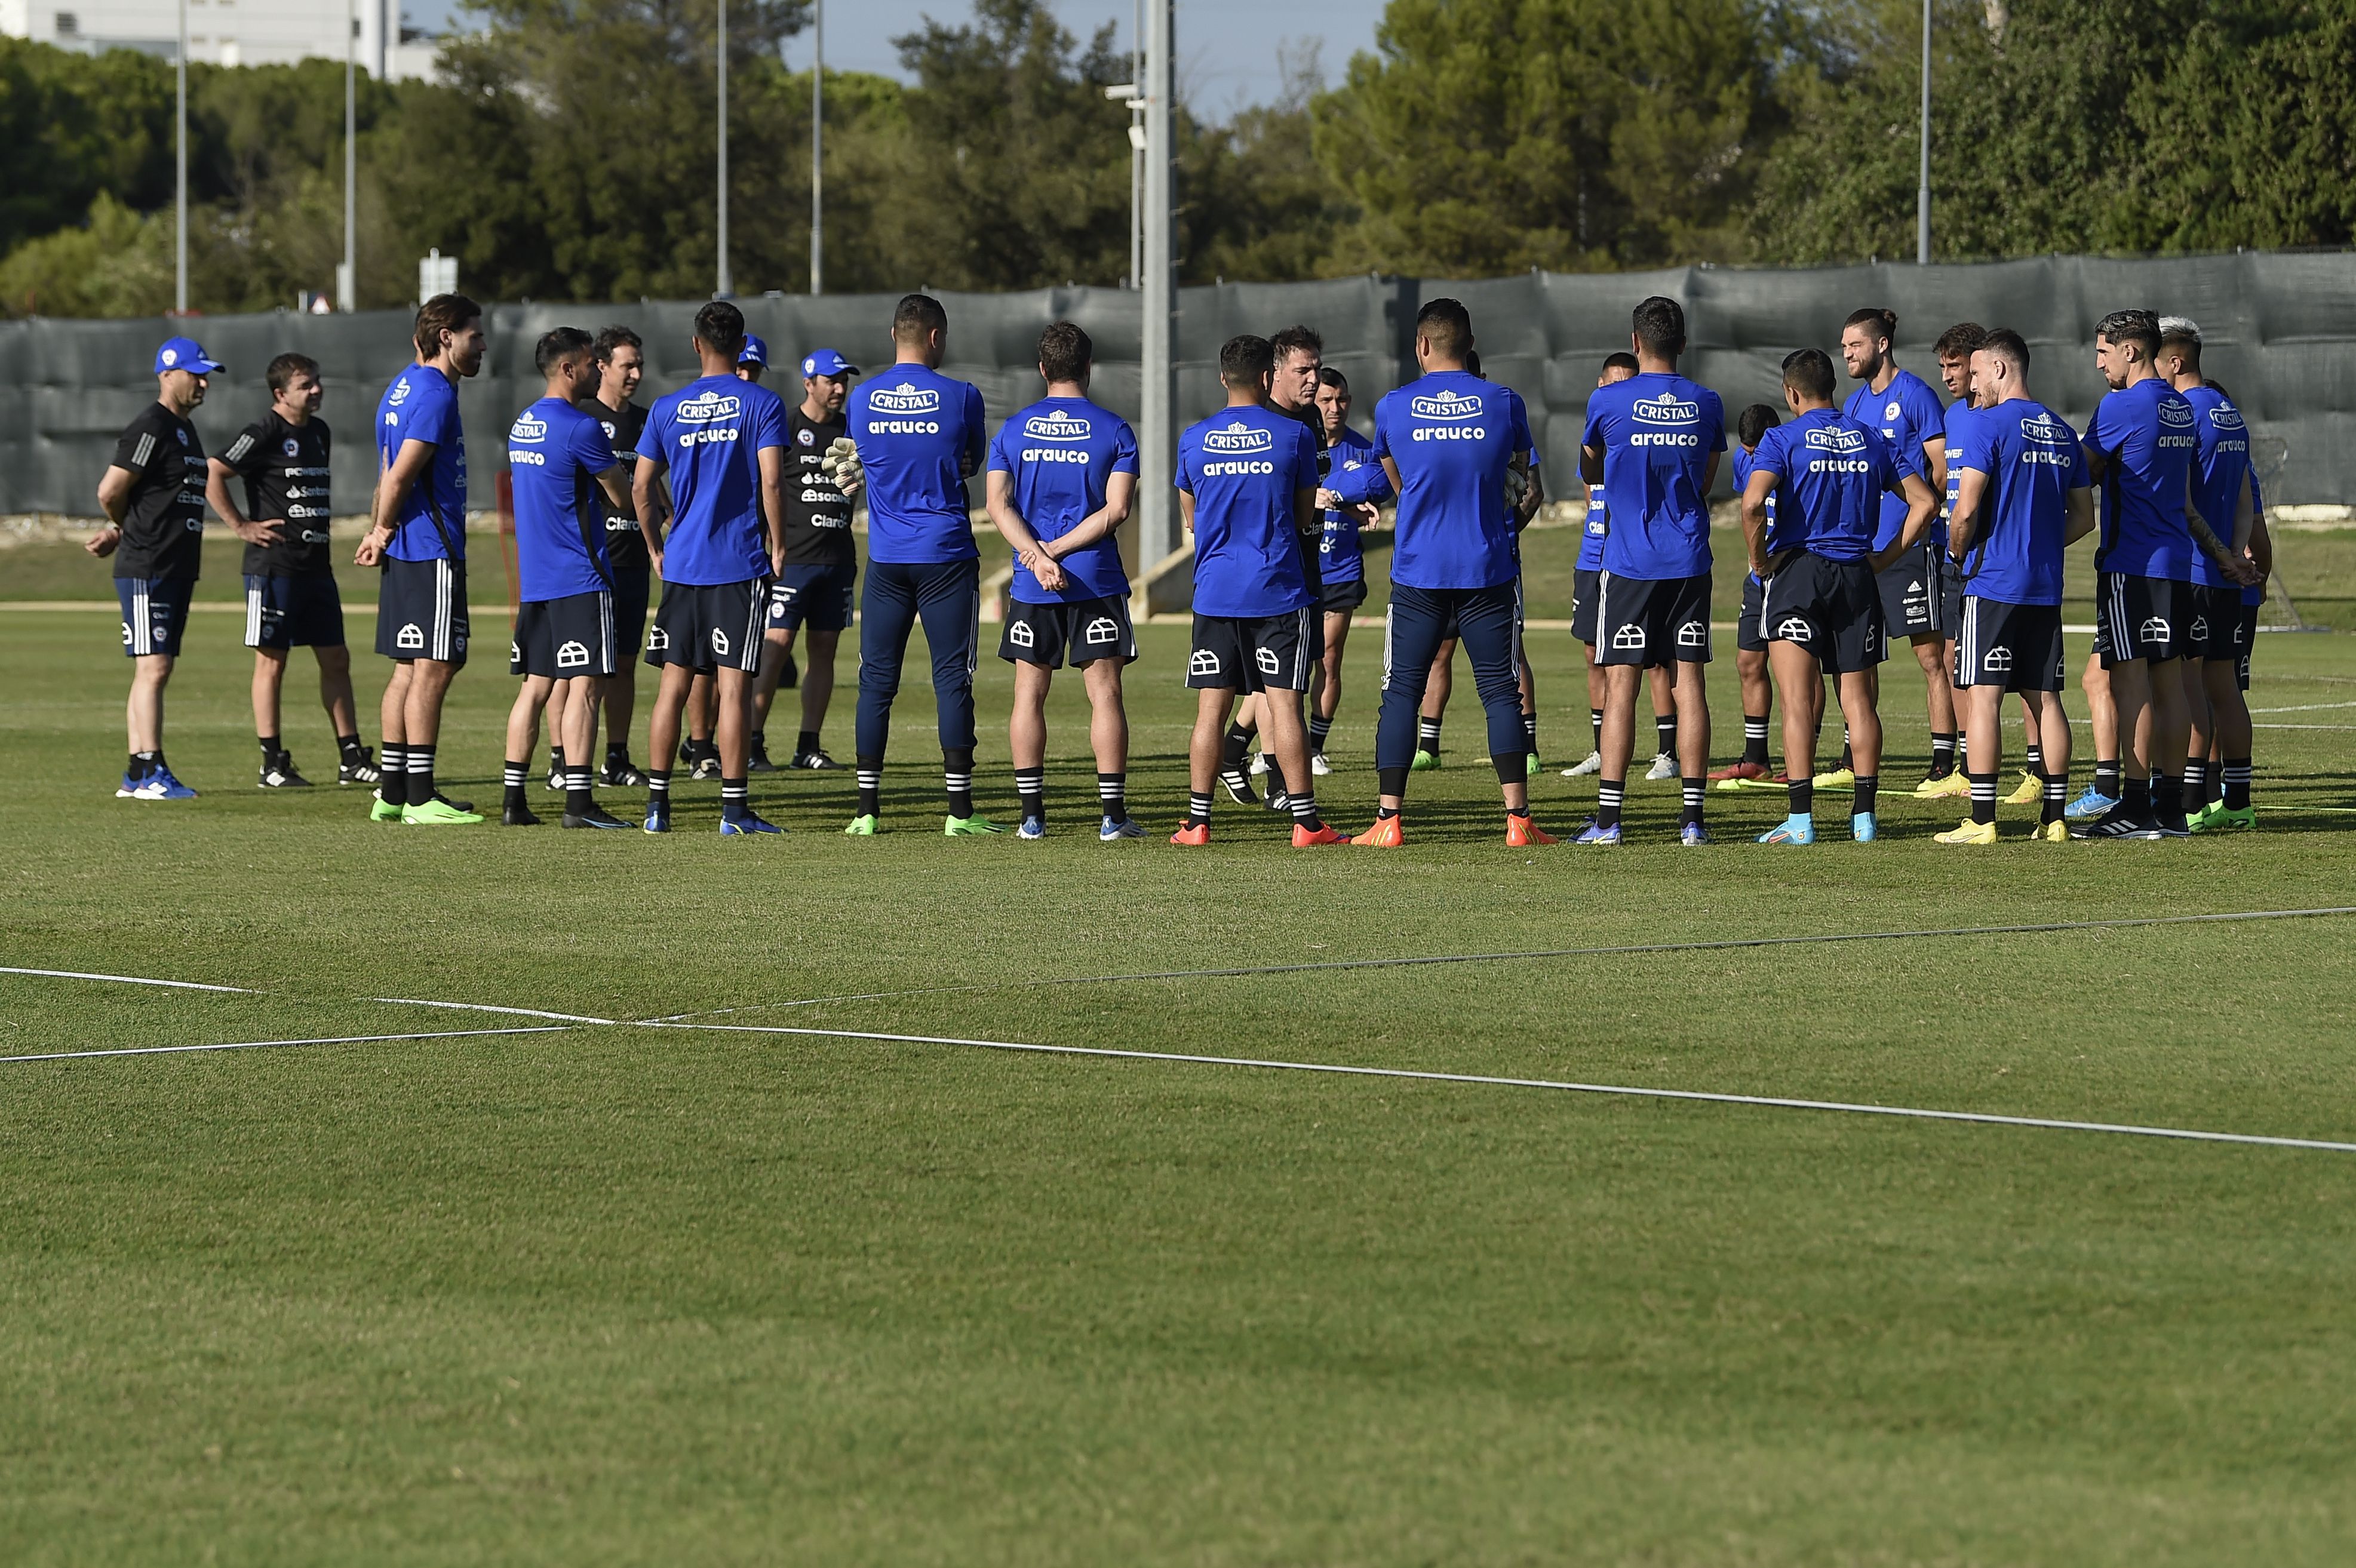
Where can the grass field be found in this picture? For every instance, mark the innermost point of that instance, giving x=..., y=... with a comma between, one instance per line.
x=620, y=1294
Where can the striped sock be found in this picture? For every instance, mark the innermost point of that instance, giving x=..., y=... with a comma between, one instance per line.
x=2057, y=796
x=421, y=774
x=1198, y=808
x=871, y=787
x=657, y=786
x=1031, y=789
x=578, y=800
x=1983, y=796
x=392, y=773
x=2196, y=778
x=734, y=802
x=1595, y=728
x=1304, y=811
x=1112, y=795
x=1318, y=729
x=1754, y=739
x=956, y=779
x=2237, y=783
x=512, y=777
x=1426, y=735
x=1694, y=792
x=1609, y=793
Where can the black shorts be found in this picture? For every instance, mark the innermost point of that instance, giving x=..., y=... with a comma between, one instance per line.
x=420, y=610
x=1255, y=653
x=1582, y=604
x=816, y=596
x=155, y=614
x=1649, y=620
x=1831, y=608
x=562, y=638
x=1748, y=637
x=1950, y=590
x=1911, y=594
x=1339, y=596
x=633, y=591
x=2013, y=648
x=2216, y=629
x=2246, y=639
x=2143, y=618
x=711, y=626
x=303, y=611
x=1075, y=632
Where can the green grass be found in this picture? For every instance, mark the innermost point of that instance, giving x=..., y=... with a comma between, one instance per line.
x=625, y=1294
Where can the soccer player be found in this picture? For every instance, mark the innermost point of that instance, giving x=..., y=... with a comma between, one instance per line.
x=1617, y=366
x=820, y=577
x=1448, y=441
x=722, y=440
x=1342, y=563
x=753, y=360
x=1062, y=475
x=154, y=498
x=699, y=750
x=2023, y=494
x=417, y=535
x=1653, y=442
x=566, y=639
x=1902, y=406
x=1750, y=641
x=1823, y=605
x=1292, y=391
x=919, y=436
x=290, y=587
x=2221, y=496
x=621, y=362
x=1248, y=492
x=2141, y=448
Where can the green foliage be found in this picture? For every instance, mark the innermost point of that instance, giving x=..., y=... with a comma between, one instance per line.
x=118, y=264
x=73, y=126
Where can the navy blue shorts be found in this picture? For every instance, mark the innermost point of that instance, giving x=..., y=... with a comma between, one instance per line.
x=562, y=638
x=2141, y=617
x=633, y=591
x=420, y=610
x=816, y=596
x=1652, y=621
x=155, y=613
x=303, y=611
x=2013, y=648
x=709, y=626
x=1830, y=608
x=1076, y=630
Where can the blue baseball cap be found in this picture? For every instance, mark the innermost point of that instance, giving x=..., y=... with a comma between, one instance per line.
x=755, y=352
x=184, y=354
x=826, y=362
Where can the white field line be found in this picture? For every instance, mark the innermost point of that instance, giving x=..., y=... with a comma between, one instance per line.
x=128, y=980
x=262, y=1044
x=486, y=1007
x=2305, y=708
x=1564, y=1086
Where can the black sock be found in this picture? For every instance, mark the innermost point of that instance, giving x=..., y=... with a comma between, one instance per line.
x=578, y=800
x=1426, y=735
x=268, y=747
x=1804, y=794
x=871, y=785
x=1754, y=739
x=1318, y=729
x=2057, y=796
x=1595, y=727
x=2035, y=763
x=1385, y=813
x=1530, y=733
x=1031, y=790
x=1943, y=754
x=1983, y=796
x=1198, y=808
x=2109, y=779
x=1304, y=811
x=1609, y=793
x=2196, y=778
x=1513, y=767
x=805, y=742
x=421, y=774
x=1867, y=785
x=556, y=760
x=616, y=753
x=2134, y=798
x=1694, y=791
x=2167, y=797
x=392, y=773
x=1390, y=781
x=1664, y=732
x=1112, y=795
x=736, y=803
x=956, y=779
x=657, y=786
x=512, y=777
x=1231, y=751
x=2237, y=783
x=1847, y=756
x=350, y=748
x=142, y=764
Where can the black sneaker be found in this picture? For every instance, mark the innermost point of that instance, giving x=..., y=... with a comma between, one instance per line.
x=556, y=771
x=790, y=676
x=359, y=769
x=454, y=805
x=1278, y=797
x=2174, y=827
x=759, y=762
x=518, y=817
x=1238, y=787
x=624, y=775
x=595, y=816
x=815, y=762
x=2117, y=822
x=278, y=772
x=705, y=768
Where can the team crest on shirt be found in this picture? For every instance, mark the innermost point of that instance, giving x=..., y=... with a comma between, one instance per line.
x=1446, y=405
x=905, y=399
x=183, y=435
x=1056, y=425
x=1239, y=437
x=1834, y=438
x=706, y=406
x=1666, y=410
x=292, y=447
x=1893, y=411
x=807, y=436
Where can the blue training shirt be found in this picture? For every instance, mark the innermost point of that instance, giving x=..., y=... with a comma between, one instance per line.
x=1341, y=554
x=421, y=405
x=920, y=434
x=2033, y=460
x=1594, y=530
x=2146, y=431
x=1242, y=466
x=1059, y=454
x=1957, y=423
x=2220, y=461
x=1451, y=435
x=1907, y=413
x=710, y=434
x=1831, y=473
x=1656, y=431
x=2255, y=593
x=1742, y=461
x=554, y=453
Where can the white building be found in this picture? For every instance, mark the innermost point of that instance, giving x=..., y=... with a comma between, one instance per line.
x=227, y=32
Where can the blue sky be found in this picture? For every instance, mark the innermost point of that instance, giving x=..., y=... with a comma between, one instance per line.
x=1226, y=48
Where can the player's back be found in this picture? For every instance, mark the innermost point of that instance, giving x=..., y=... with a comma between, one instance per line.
x=554, y=453
x=710, y=434
x=1831, y=473
x=1059, y=455
x=1657, y=430
x=1243, y=466
x=2033, y=460
x=1451, y=435
x=2221, y=459
x=919, y=432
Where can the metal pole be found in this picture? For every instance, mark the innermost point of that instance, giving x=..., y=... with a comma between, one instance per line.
x=348, y=277
x=818, y=141
x=1923, y=192
x=722, y=290
x=1136, y=154
x=180, y=225
x=1157, y=430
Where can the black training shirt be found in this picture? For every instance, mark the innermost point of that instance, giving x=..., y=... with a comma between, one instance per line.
x=625, y=542
x=284, y=467
x=818, y=514
x=163, y=526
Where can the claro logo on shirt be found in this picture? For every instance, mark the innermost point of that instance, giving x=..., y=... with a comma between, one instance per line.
x=1446, y=405
x=906, y=398
x=1056, y=425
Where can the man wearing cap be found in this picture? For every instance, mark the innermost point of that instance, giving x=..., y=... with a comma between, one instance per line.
x=821, y=563
x=154, y=498
x=752, y=360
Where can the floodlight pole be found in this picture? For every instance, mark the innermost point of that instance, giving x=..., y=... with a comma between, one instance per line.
x=1922, y=191
x=1156, y=432
x=818, y=141
x=347, y=275
x=721, y=289
x=180, y=224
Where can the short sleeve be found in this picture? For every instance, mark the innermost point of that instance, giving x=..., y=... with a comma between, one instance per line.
x=1591, y=435
x=654, y=441
x=1975, y=448
x=1124, y=448
x=769, y=423
x=1304, y=458
x=434, y=420
x=1768, y=458
x=1923, y=412
x=2081, y=479
x=139, y=447
x=1521, y=435
x=590, y=447
x=1892, y=466
x=1185, y=477
x=1382, y=444
x=977, y=423
x=1717, y=420
x=2101, y=431
x=244, y=455
x=1001, y=461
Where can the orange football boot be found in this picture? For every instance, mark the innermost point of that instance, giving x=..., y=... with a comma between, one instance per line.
x=1304, y=838
x=1386, y=834
x=1194, y=834
x=1521, y=833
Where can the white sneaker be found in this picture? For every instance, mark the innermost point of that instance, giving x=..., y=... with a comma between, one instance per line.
x=1318, y=765
x=1259, y=763
x=1594, y=765
x=1665, y=766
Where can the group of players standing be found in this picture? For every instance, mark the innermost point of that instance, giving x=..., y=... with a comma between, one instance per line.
x=743, y=506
